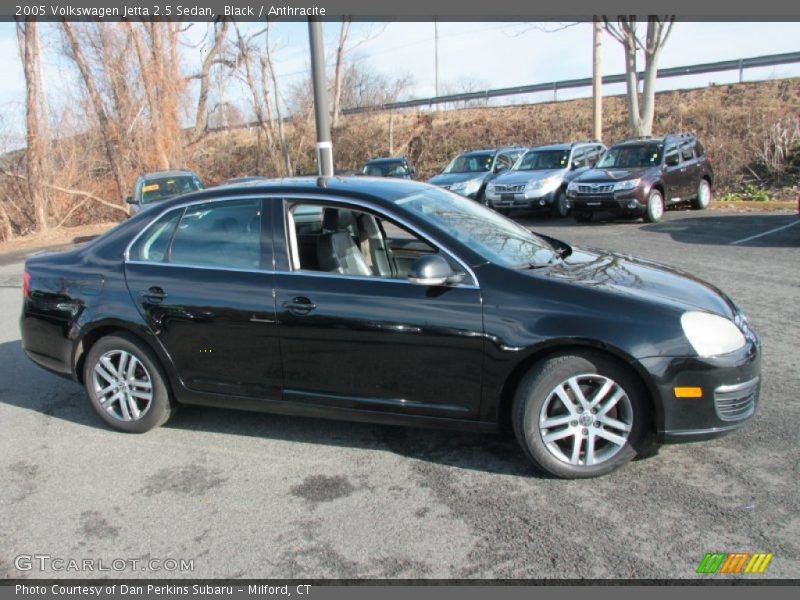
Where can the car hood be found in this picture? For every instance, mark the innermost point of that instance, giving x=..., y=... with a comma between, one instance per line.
x=517, y=177
x=451, y=178
x=638, y=278
x=612, y=175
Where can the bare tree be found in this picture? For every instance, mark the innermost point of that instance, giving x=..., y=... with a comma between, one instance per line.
x=597, y=78
x=212, y=57
x=338, y=71
x=109, y=130
x=625, y=31
x=268, y=75
x=28, y=36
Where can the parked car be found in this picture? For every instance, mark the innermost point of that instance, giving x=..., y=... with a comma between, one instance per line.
x=470, y=172
x=152, y=188
x=641, y=177
x=539, y=178
x=398, y=166
x=392, y=302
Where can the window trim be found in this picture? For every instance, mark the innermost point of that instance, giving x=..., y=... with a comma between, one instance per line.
x=380, y=213
x=126, y=259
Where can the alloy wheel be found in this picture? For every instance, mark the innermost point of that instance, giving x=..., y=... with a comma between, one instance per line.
x=122, y=385
x=586, y=420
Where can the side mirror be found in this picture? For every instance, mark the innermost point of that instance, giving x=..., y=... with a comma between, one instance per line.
x=432, y=270
x=575, y=165
x=130, y=200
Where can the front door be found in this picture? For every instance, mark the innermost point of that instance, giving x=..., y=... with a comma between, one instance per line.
x=355, y=333
x=202, y=283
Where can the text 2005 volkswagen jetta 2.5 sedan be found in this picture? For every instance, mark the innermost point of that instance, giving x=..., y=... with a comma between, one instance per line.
x=391, y=302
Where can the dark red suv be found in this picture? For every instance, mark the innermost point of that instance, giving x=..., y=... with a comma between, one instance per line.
x=641, y=177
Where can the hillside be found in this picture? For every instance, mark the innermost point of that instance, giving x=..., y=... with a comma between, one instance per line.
x=743, y=126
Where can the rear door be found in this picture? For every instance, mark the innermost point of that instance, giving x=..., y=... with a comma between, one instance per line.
x=201, y=278
x=674, y=177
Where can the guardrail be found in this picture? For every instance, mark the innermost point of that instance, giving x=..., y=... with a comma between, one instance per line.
x=715, y=67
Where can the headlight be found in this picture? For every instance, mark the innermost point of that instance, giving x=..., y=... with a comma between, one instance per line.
x=467, y=187
x=711, y=335
x=629, y=184
x=548, y=182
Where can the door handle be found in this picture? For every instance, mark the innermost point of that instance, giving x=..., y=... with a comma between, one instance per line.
x=154, y=295
x=299, y=306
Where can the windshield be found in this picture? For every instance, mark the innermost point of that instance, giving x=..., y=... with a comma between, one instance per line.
x=538, y=160
x=495, y=238
x=630, y=157
x=388, y=169
x=471, y=163
x=166, y=187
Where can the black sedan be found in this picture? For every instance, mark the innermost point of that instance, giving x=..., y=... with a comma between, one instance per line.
x=396, y=302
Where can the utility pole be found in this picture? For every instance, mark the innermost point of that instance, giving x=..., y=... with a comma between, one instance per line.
x=597, y=78
x=324, y=145
x=436, y=54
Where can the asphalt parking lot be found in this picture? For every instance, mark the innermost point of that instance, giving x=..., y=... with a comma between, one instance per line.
x=256, y=495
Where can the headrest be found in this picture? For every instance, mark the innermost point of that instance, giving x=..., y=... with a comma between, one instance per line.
x=336, y=219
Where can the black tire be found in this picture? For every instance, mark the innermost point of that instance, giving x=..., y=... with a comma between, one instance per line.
x=702, y=198
x=158, y=409
x=537, y=389
x=654, y=211
x=560, y=207
x=582, y=216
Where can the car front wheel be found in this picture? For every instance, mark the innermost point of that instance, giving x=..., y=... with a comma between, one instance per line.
x=655, y=207
x=580, y=415
x=126, y=385
x=561, y=205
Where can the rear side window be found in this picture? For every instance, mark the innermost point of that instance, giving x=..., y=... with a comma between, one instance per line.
x=699, y=150
x=153, y=244
x=686, y=152
x=219, y=235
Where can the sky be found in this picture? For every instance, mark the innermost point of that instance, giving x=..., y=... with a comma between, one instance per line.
x=491, y=54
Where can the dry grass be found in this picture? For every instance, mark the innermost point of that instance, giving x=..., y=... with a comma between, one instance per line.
x=54, y=237
x=733, y=122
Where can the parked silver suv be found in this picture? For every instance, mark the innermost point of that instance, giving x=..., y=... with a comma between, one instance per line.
x=540, y=177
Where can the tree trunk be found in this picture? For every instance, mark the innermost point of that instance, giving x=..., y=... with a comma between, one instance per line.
x=338, y=73
x=34, y=154
x=201, y=117
x=597, y=79
x=652, y=54
x=109, y=131
x=270, y=69
x=146, y=71
x=632, y=85
x=5, y=225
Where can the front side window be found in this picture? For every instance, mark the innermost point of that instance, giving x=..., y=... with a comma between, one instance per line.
x=351, y=242
x=219, y=235
x=495, y=238
x=672, y=157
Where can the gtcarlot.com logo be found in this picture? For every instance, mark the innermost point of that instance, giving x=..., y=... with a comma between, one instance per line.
x=734, y=562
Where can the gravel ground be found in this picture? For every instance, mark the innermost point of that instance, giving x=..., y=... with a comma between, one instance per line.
x=255, y=495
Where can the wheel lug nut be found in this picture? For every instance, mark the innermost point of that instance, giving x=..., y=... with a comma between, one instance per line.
x=594, y=411
x=585, y=431
x=573, y=423
x=580, y=410
x=597, y=423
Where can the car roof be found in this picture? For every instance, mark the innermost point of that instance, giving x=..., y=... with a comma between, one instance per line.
x=381, y=188
x=552, y=147
x=174, y=173
x=387, y=159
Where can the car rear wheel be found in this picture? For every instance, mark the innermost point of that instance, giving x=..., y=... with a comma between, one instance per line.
x=580, y=415
x=560, y=207
x=703, y=197
x=655, y=207
x=126, y=385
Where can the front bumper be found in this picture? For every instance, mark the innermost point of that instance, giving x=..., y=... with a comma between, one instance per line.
x=624, y=203
x=730, y=387
x=519, y=200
